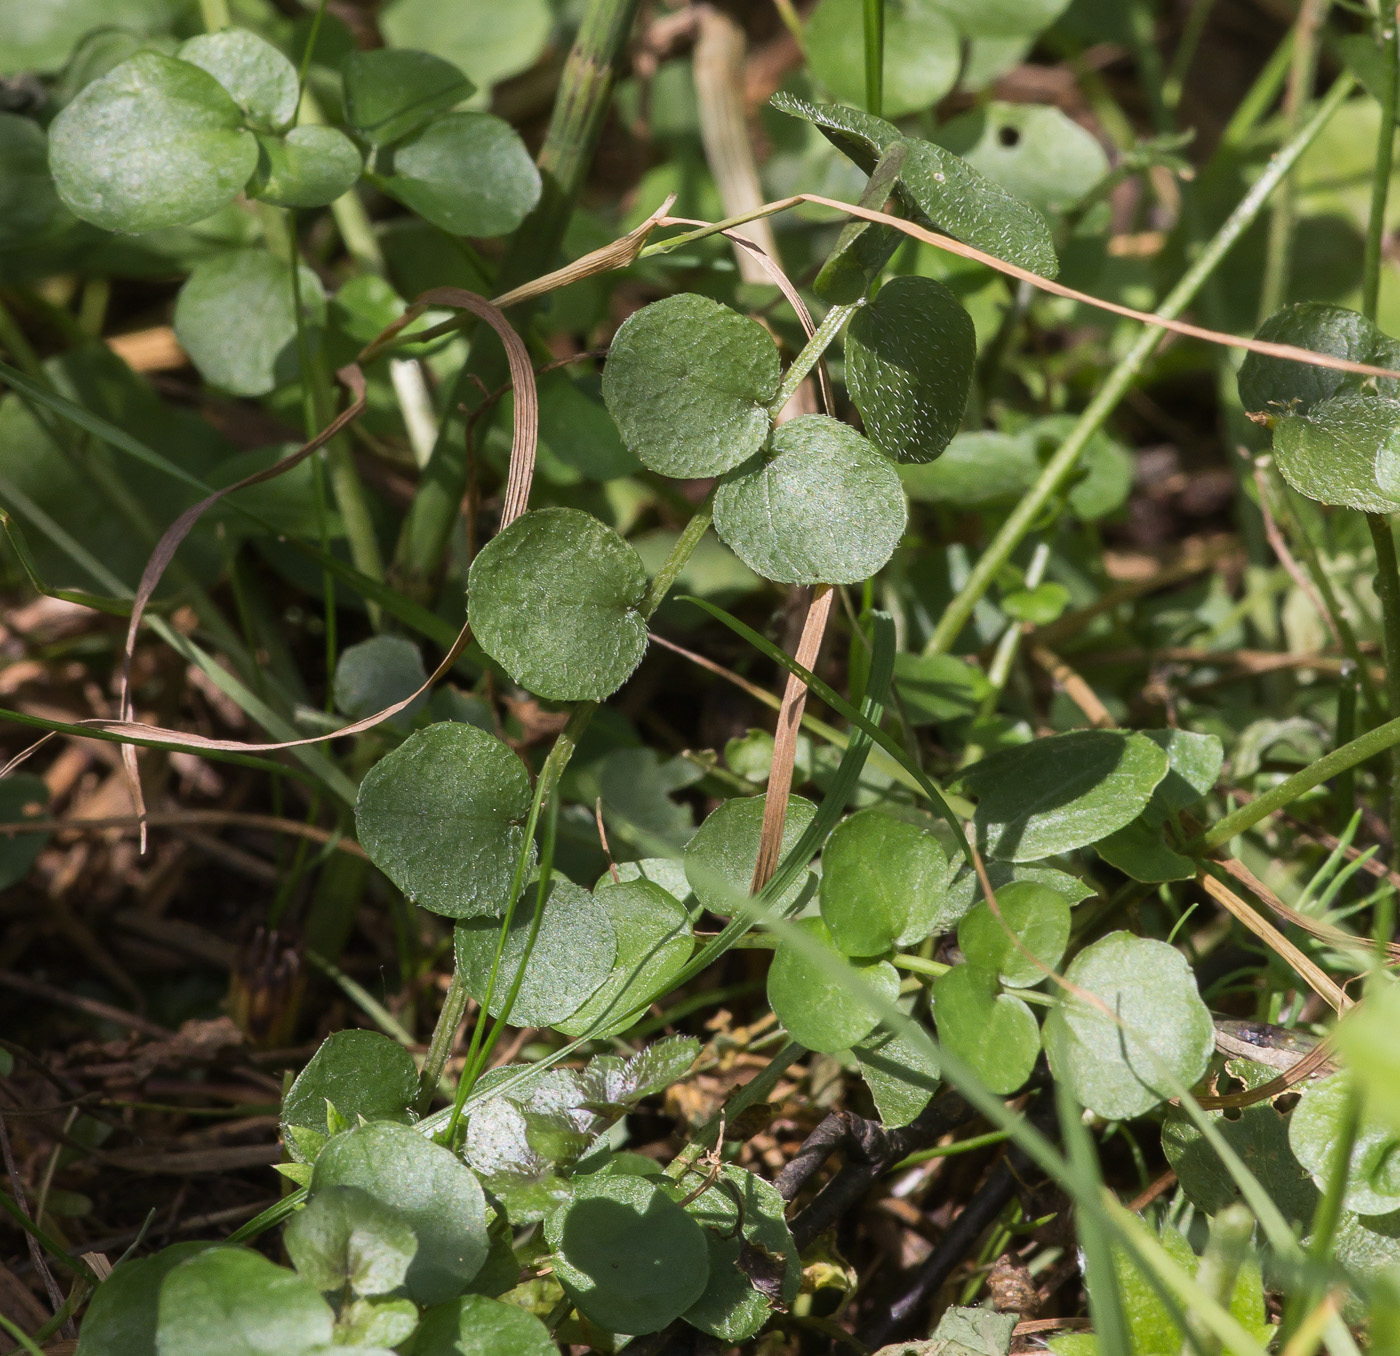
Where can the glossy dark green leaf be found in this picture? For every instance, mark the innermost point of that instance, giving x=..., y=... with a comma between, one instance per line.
x=442, y=816
x=818, y=1000
x=360, y=1073
x=490, y=39
x=554, y=600
x=259, y=79
x=236, y=319
x=628, y=1256
x=884, y=884
x=688, y=382
x=1063, y=792
x=29, y=203
x=428, y=1188
x=477, y=1326
x=22, y=797
x=939, y=687
x=994, y=1033
x=921, y=52
x=1373, y=1171
x=467, y=173
x=390, y=92
x=344, y=1238
x=901, y=1073
x=234, y=1302
x=309, y=167
x=573, y=954
x=155, y=142
x=1344, y=451
x=653, y=943
x=909, y=361
x=1040, y=919
x=824, y=507
x=1116, y=1067
x=376, y=673
x=121, y=1318
x=724, y=851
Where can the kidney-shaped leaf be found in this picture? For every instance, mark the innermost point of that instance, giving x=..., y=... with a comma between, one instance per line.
x=909, y=361
x=344, y=1237
x=720, y=859
x=234, y=1302
x=377, y=672
x=259, y=79
x=1119, y=1062
x=309, y=167
x=554, y=600
x=1344, y=451
x=477, y=1326
x=884, y=882
x=627, y=1255
x=467, y=173
x=155, y=142
x=429, y=1188
x=1057, y=794
x=442, y=816
x=827, y=508
x=820, y=998
x=995, y=1033
x=391, y=91
x=573, y=955
x=688, y=382
x=1040, y=919
x=1373, y=1171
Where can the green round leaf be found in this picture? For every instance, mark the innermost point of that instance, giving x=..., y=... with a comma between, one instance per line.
x=921, y=52
x=720, y=859
x=442, y=816
x=884, y=883
x=491, y=39
x=995, y=1033
x=235, y=318
x=1345, y=451
x=939, y=687
x=233, y=1302
x=1034, y=151
x=389, y=92
x=428, y=1188
x=156, y=142
x=817, y=999
x=1194, y=762
x=477, y=1326
x=1057, y=794
x=376, y=673
x=1116, y=1067
x=29, y=204
x=654, y=942
x=901, y=1073
x=1038, y=915
x=1137, y=850
x=467, y=173
x=689, y=382
x=909, y=361
x=344, y=1237
x=825, y=508
x=21, y=797
x=554, y=600
x=121, y=1318
x=360, y=1073
x=1373, y=1171
x=260, y=80
x=309, y=167
x=1002, y=18
x=627, y=1255
x=375, y=1326
x=572, y=956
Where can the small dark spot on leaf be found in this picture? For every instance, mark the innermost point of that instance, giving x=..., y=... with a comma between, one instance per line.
x=1008, y=136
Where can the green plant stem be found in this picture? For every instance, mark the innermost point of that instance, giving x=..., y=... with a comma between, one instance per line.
x=20, y=1336
x=875, y=56
x=1388, y=590
x=1380, y=175
x=919, y=965
x=832, y=324
x=215, y=14
x=962, y=1146
x=665, y=578
x=1191, y=32
x=1061, y=466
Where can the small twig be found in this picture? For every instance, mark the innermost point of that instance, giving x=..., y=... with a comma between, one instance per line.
x=36, y=1252
x=1073, y=686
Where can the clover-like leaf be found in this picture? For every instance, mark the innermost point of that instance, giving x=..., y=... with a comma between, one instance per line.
x=259, y=79
x=345, y=1238
x=1040, y=919
x=819, y=1000
x=477, y=1326
x=1344, y=451
x=1373, y=1170
x=994, y=1033
x=360, y=1073
x=392, y=91
x=1282, y=386
x=234, y=1302
x=467, y=173
x=554, y=600
x=235, y=316
x=884, y=883
x=22, y=796
x=1143, y=1024
x=29, y=204
x=720, y=859
x=442, y=816
x=155, y=142
x=825, y=508
x=309, y=167
x=654, y=942
x=1063, y=792
x=573, y=954
x=432, y=1191
x=627, y=1255
x=688, y=382
x=909, y=361
x=901, y=1073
